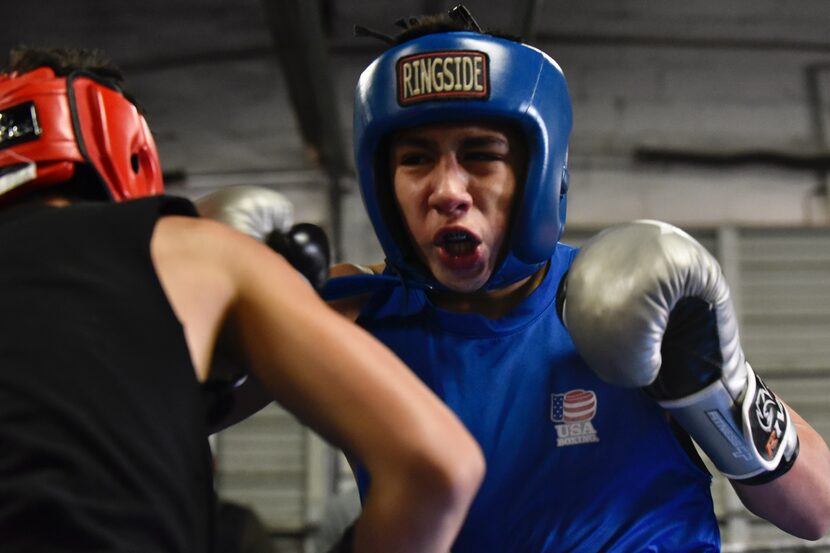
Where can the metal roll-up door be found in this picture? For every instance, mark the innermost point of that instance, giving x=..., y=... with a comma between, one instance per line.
x=783, y=299
x=785, y=308
x=579, y=235
x=279, y=468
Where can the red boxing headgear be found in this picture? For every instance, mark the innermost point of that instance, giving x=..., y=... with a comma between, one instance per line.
x=58, y=122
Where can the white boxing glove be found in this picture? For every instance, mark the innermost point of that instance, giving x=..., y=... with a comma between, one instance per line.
x=647, y=306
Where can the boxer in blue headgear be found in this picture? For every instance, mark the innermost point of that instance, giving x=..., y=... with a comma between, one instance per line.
x=460, y=77
x=461, y=139
x=461, y=142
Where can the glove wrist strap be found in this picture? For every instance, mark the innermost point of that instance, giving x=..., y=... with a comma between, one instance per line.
x=752, y=438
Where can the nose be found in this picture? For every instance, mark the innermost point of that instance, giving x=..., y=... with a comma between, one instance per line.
x=450, y=191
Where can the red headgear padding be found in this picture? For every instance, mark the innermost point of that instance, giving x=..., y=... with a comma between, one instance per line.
x=58, y=122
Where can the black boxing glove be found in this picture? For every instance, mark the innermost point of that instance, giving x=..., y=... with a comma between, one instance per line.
x=306, y=247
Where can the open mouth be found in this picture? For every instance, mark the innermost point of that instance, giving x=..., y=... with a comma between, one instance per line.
x=457, y=242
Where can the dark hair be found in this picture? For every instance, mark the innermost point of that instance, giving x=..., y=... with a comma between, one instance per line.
x=456, y=19
x=64, y=61
x=444, y=23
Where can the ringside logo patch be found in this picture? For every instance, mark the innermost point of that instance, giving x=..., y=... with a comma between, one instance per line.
x=455, y=74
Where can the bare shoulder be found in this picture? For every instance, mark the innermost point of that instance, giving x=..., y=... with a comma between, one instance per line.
x=211, y=253
x=192, y=259
x=351, y=307
x=198, y=241
x=189, y=233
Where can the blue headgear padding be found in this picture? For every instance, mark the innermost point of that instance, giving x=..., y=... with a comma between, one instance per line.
x=459, y=76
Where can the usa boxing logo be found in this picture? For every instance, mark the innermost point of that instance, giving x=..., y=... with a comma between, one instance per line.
x=572, y=412
x=454, y=74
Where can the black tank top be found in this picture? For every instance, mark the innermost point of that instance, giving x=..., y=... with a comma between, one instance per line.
x=102, y=438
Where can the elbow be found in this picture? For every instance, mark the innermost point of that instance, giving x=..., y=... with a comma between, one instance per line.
x=436, y=467
x=450, y=475
x=466, y=476
x=455, y=472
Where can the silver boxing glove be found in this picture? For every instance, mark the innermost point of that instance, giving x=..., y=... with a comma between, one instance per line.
x=268, y=216
x=647, y=306
x=253, y=210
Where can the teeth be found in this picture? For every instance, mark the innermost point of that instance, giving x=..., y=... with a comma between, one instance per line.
x=457, y=236
x=458, y=243
x=461, y=248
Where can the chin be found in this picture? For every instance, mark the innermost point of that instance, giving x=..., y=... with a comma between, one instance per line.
x=463, y=285
x=462, y=281
x=463, y=289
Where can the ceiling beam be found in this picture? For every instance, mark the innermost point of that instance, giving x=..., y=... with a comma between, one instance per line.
x=296, y=27
x=528, y=14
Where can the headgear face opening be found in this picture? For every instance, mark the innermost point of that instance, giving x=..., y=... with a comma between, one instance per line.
x=466, y=76
x=56, y=123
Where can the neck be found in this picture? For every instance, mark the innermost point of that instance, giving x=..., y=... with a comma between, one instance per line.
x=492, y=304
x=55, y=200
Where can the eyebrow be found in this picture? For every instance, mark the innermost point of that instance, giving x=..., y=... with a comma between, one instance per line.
x=468, y=142
x=480, y=141
x=412, y=141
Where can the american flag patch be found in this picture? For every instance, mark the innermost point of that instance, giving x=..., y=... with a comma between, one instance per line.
x=573, y=406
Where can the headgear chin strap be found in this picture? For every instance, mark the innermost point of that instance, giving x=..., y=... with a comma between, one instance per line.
x=466, y=76
x=57, y=122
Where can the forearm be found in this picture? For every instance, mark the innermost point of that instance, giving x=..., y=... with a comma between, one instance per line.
x=799, y=501
x=333, y=376
x=424, y=468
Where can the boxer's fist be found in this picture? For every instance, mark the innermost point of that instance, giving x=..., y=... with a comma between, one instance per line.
x=647, y=306
x=306, y=247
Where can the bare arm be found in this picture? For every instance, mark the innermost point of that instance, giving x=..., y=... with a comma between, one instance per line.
x=332, y=375
x=799, y=501
x=250, y=396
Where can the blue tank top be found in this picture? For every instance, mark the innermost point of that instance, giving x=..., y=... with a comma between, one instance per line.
x=573, y=464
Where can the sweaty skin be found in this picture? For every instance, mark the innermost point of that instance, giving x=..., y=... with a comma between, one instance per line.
x=455, y=187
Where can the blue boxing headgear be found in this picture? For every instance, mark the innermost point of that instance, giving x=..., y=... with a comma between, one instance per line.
x=460, y=76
